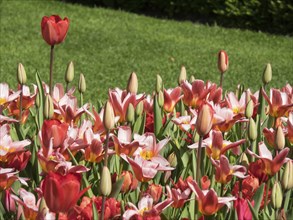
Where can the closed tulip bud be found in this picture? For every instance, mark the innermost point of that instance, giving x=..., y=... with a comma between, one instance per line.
x=249, y=109
x=159, y=84
x=279, y=139
x=109, y=117
x=192, y=79
x=130, y=113
x=132, y=85
x=267, y=74
x=172, y=159
x=287, y=178
x=161, y=99
x=106, y=183
x=81, y=84
x=21, y=75
x=69, y=75
x=182, y=76
x=252, y=131
x=48, y=107
x=139, y=108
x=37, y=101
x=277, y=195
x=244, y=161
x=223, y=61
x=204, y=120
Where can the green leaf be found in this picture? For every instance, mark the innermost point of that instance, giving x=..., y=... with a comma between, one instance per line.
x=157, y=116
x=95, y=212
x=41, y=92
x=254, y=213
x=258, y=197
x=116, y=188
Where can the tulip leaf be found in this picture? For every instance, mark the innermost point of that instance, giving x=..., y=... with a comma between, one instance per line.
x=258, y=197
x=139, y=124
x=41, y=96
x=253, y=211
x=116, y=188
x=95, y=212
x=287, y=198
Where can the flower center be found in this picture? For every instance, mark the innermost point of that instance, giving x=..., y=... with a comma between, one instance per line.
x=147, y=155
x=2, y=101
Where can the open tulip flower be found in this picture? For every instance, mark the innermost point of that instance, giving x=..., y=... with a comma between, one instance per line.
x=7, y=177
x=279, y=102
x=270, y=165
x=171, y=97
x=6, y=96
x=146, y=209
x=225, y=171
x=216, y=146
x=208, y=201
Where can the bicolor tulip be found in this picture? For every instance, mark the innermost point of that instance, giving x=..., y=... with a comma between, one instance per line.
x=54, y=29
x=279, y=102
x=61, y=192
x=223, y=61
x=242, y=209
x=178, y=196
x=5, y=95
x=8, y=177
x=155, y=191
x=123, y=141
x=225, y=171
x=270, y=165
x=194, y=94
x=204, y=120
x=129, y=181
x=171, y=97
x=208, y=201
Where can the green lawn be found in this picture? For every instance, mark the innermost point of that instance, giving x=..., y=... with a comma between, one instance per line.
x=107, y=45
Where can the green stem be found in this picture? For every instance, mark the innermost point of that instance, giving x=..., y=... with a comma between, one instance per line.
x=221, y=80
x=103, y=206
x=51, y=70
x=20, y=103
x=57, y=216
x=198, y=160
x=222, y=189
x=267, y=194
x=66, y=88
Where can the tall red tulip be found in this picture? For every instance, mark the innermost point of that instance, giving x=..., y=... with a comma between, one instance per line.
x=61, y=192
x=54, y=29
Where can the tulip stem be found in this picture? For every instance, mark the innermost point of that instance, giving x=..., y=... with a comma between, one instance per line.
x=267, y=194
x=57, y=216
x=198, y=159
x=51, y=70
x=105, y=164
x=20, y=103
x=221, y=80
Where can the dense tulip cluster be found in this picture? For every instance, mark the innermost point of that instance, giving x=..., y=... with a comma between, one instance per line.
x=189, y=152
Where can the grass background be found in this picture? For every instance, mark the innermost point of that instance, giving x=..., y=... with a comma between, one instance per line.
x=107, y=45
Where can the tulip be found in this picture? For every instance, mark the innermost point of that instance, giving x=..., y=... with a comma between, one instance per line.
x=61, y=192
x=267, y=74
x=21, y=75
x=252, y=130
x=242, y=209
x=155, y=191
x=279, y=139
x=106, y=184
x=205, y=182
x=48, y=107
x=249, y=109
x=81, y=84
x=130, y=113
x=108, y=119
x=277, y=195
x=129, y=182
x=287, y=178
x=139, y=108
x=223, y=61
x=159, y=83
x=54, y=29
x=69, y=75
x=132, y=85
x=178, y=196
x=171, y=97
x=204, y=120
x=182, y=76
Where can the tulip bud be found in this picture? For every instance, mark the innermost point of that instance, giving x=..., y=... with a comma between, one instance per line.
x=48, y=107
x=21, y=75
x=106, y=183
x=109, y=117
x=81, y=84
x=182, y=76
x=139, y=108
x=161, y=99
x=277, y=195
x=252, y=131
x=192, y=79
x=249, y=109
x=223, y=61
x=244, y=161
x=172, y=159
x=37, y=101
x=130, y=113
x=8, y=201
x=204, y=120
x=69, y=75
x=159, y=84
x=279, y=139
x=132, y=85
x=287, y=178
x=267, y=74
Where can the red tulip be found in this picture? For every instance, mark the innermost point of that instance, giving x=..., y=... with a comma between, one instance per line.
x=61, y=192
x=54, y=29
x=56, y=130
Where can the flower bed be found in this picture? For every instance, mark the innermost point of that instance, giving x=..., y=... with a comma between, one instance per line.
x=190, y=152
